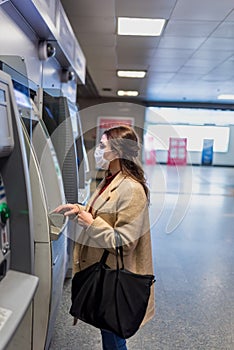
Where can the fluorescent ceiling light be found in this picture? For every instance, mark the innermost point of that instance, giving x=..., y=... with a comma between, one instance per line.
x=226, y=97
x=127, y=93
x=131, y=73
x=140, y=26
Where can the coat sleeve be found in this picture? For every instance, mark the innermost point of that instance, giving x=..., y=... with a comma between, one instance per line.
x=131, y=220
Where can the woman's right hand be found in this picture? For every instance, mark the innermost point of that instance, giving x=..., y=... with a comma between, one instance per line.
x=70, y=210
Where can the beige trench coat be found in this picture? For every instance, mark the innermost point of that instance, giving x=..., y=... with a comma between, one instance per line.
x=122, y=206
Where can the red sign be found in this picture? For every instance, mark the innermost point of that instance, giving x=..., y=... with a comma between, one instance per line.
x=177, y=153
x=109, y=122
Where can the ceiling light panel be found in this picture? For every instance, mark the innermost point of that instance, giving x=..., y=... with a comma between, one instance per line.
x=131, y=74
x=140, y=26
x=226, y=97
x=131, y=93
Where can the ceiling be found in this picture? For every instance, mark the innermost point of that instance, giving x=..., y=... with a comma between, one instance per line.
x=192, y=61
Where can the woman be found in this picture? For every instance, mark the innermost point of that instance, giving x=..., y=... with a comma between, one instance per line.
x=119, y=203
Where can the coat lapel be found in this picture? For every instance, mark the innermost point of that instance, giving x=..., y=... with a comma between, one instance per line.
x=106, y=194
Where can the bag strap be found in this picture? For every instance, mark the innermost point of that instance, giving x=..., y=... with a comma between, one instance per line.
x=118, y=252
x=104, y=256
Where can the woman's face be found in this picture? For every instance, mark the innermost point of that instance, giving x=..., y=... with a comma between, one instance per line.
x=108, y=153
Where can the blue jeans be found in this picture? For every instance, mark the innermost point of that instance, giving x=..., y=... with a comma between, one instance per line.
x=111, y=341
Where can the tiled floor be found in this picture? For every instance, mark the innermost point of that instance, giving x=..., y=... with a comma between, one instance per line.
x=192, y=217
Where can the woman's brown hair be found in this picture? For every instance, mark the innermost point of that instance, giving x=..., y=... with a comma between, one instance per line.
x=124, y=141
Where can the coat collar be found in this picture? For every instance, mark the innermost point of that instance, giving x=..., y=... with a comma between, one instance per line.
x=116, y=181
x=105, y=195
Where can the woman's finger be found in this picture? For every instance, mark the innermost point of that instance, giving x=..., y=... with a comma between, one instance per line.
x=70, y=212
x=64, y=208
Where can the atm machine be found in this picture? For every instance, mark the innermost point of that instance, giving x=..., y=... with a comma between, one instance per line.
x=59, y=125
x=50, y=230
x=82, y=158
x=46, y=254
x=62, y=120
x=17, y=289
x=63, y=123
x=83, y=171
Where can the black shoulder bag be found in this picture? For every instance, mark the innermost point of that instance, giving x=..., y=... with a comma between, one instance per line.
x=114, y=300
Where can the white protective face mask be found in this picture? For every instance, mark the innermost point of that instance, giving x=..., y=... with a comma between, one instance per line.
x=101, y=162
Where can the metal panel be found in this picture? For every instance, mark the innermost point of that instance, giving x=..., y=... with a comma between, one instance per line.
x=49, y=21
x=16, y=287
x=48, y=8
x=21, y=41
x=66, y=36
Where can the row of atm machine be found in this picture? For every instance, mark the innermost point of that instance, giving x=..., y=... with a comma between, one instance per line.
x=43, y=163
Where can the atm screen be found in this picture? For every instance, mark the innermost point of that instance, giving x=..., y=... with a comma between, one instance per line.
x=4, y=129
x=2, y=96
x=6, y=132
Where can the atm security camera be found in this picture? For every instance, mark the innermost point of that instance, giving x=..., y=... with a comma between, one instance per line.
x=45, y=50
x=67, y=76
x=51, y=50
x=71, y=75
